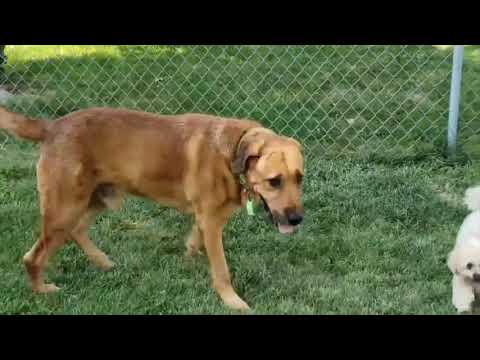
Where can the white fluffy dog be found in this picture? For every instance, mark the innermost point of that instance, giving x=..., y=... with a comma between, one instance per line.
x=464, y=260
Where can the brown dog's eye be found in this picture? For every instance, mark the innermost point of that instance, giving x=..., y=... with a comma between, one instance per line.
x=299, y=178
x=275, y=182
x=469, y=266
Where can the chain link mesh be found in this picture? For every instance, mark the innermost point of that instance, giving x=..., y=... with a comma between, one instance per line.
x=469, y=123
x=338, y=100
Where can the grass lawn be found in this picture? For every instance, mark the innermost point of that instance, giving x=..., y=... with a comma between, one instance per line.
x=380, y=219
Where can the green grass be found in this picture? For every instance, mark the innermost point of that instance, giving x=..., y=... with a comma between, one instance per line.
x=375, y=241
x=379, y=221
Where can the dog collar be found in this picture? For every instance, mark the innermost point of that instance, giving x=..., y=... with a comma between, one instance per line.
x=247, y=195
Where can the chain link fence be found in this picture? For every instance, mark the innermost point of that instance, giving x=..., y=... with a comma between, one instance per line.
x=340, y=101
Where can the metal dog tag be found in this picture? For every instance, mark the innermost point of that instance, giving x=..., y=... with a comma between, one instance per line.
x=250, y=211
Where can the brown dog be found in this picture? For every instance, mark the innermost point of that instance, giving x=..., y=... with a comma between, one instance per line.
x=90, y=158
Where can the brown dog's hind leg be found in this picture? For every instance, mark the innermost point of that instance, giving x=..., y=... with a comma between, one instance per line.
x=35, y=260
x=81, y=238
x=55, y=233
x=64, y=194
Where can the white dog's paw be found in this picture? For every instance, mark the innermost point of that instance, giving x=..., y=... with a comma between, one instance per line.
x=463, y=307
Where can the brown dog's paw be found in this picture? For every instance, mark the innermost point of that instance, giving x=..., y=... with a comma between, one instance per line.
x=106, y=264
x=234, y=302
x=101, y=260
x=45, y=289
x=193, y=251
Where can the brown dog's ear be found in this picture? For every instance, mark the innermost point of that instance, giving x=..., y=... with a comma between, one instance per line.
x=300, y=146
x=248, y=148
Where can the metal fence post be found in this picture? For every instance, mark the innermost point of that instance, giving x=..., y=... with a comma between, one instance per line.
x=454, y=106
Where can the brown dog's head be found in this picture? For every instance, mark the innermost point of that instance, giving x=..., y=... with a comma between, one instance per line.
x=273, y=166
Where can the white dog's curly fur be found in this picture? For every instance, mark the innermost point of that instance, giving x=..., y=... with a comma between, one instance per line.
x=464, y=259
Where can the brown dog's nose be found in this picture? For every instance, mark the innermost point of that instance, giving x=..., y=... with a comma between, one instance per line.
x=476, y=277
x=294, y=217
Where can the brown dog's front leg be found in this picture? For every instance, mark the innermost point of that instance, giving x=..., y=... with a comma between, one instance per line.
x=212, y=236
x=195, y=241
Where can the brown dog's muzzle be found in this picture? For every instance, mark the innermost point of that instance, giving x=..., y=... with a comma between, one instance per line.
x=294, y=216
x=288, y=222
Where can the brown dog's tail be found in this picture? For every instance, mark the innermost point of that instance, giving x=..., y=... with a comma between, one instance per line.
x=23, y=127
